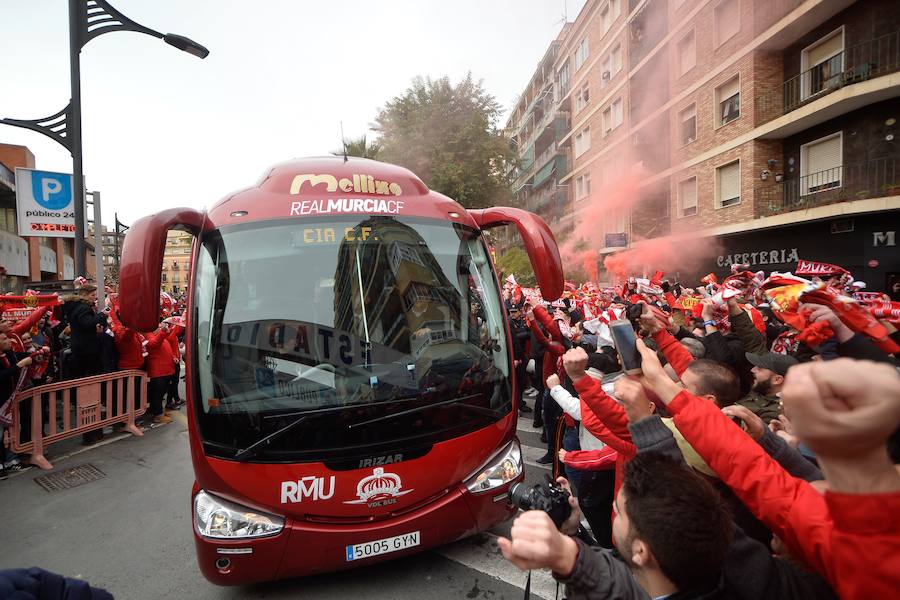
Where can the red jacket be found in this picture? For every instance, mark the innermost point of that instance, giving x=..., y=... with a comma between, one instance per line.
x=552, y=345
x=160, y=362
x=677, y=355
x=129, y=344
x=853, y=540
x=606, y=420
x=175, y=345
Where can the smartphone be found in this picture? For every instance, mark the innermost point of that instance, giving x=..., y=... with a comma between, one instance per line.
x=625, y=340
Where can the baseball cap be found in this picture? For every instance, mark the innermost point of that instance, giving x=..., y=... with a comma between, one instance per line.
x=777, y=363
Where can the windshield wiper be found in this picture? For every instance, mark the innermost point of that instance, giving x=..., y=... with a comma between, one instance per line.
x=252, y=449
x=478, y=409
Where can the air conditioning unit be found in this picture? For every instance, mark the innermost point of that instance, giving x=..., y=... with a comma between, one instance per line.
x=606, y=75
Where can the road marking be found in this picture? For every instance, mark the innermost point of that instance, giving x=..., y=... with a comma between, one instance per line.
x=481, y=553
x=531, y=454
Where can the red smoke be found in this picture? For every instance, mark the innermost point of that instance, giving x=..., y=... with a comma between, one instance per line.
x=668, y=254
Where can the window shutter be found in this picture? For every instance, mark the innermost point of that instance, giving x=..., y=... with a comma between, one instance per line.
x=729, y=182
x=823, y=162
x=824, y=51
x=687, y=193
x=686, y=54
x=728, y=19
x=729, y=89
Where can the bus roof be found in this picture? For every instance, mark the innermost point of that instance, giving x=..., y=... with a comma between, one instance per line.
x=333, y=185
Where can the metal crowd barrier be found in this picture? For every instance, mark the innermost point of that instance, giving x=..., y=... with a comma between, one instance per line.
x=49, y=413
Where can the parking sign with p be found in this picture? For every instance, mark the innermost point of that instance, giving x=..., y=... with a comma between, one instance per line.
x=44, y=203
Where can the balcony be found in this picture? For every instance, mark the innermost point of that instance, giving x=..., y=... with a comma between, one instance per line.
x=855, y=181
x=870, y=59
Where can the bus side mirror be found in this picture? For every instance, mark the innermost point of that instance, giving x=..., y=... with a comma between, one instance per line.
x=539, y=244
x=141, y=264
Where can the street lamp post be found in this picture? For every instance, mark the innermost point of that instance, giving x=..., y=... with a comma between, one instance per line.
x=87, y=20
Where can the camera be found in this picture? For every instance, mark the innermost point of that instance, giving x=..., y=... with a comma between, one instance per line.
x=548, y=497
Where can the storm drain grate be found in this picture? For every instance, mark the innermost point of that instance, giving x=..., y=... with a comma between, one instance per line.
x=69, y=478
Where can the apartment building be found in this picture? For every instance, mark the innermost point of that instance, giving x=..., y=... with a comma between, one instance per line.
x=176, y=267
x=536, y=125
x=765, y=130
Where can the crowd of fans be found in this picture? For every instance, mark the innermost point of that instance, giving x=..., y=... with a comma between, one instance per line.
x=70, y=338
x=754, y=455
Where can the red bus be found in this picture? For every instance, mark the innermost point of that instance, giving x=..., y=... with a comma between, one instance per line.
x=349, y=371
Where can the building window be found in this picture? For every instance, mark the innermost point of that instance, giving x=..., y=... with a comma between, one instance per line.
x=581, y=54
x=612, y=64
x=615, y=221
x=583, y=186
x=728, y=184
x=728, y=99
x=688, y=124
x=164, y=278
x=564, y=80
x=687, y=197
x=581, y=100
x=822, y=64
x=582, y=141
x=728, y=20
x=609, y=13
x=687, y=53
x=612, y=116
x=8, y=220
x=821, y=164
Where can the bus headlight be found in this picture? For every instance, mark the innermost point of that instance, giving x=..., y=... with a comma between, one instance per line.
x=503, y=469
x=218, y=518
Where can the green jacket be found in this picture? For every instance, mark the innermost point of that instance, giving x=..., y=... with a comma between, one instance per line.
x=766, y=408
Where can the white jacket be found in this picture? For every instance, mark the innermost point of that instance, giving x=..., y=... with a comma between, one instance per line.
x=572, y=407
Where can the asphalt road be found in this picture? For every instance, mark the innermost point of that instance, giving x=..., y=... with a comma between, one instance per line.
x=130, y=532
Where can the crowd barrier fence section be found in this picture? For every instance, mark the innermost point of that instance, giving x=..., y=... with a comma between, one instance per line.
x=49, y=413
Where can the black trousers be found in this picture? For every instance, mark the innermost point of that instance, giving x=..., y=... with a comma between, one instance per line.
x=156, y=390
x=521, y=379
x=172, y=389
x=595, y=498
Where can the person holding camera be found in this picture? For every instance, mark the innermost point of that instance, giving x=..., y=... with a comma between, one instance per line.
x=671, y=530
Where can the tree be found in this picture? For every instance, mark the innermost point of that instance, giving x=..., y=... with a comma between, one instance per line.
x=360, y=147
x=515, y=262
x=448, y=136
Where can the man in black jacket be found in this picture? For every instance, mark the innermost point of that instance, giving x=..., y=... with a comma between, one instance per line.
x=520, y=335
x=85, y=326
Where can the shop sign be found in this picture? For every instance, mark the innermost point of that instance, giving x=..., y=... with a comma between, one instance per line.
x=759, y=257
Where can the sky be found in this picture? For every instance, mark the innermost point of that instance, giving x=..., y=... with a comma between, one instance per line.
x=162, y=128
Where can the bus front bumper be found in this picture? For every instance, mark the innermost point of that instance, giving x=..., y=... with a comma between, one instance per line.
x=305, y=548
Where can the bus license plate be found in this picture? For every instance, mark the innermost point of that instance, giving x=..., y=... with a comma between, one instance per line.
x=391, y=544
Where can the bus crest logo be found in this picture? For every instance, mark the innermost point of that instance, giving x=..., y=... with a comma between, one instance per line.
x=378, y=489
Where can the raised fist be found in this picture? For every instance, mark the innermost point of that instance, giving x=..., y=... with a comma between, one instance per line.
x=843, y=408
x=575, y=363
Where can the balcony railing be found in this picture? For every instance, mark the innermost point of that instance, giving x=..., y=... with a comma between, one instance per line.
x=869, y=59
x=856, y=181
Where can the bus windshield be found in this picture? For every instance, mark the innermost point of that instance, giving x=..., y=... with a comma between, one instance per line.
x=345, y=337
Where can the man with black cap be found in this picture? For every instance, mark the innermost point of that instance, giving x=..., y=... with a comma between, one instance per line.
x=768, y=370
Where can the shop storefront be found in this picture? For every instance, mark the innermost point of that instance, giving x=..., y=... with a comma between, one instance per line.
x=866, y=245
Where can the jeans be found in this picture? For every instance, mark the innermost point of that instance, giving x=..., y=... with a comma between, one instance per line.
x=570, y=442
